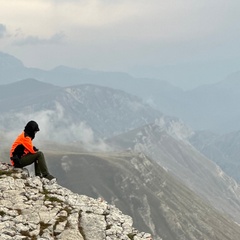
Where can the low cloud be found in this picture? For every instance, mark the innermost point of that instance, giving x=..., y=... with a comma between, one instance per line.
x=54, y=126
x=35, y=40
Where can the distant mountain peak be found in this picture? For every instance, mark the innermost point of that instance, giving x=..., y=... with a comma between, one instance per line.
x=9, y=61
x=30, y=85
x=31, y=81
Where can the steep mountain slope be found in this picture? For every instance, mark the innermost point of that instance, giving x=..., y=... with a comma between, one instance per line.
x=108, y=111
x=222, y=149
x=101, y=111
x=142, y=189
x=167, y=144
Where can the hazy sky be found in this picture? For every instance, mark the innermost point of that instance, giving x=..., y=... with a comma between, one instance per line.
x=186, y=42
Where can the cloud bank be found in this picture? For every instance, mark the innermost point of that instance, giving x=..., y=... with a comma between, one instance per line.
x=35, y=40
x=54, y=126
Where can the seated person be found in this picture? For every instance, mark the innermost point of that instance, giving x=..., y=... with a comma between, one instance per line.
x=23, y=153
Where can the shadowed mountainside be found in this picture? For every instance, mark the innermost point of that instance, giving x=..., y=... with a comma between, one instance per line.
x=163, y=143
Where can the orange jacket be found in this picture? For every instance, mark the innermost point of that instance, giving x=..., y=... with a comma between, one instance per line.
x=26, y=141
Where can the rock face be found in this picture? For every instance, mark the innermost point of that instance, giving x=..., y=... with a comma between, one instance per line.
x=34, y=208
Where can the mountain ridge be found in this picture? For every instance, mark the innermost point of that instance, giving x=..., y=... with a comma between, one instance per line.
x=180, y=158
x=80, y=107
x=208, y=107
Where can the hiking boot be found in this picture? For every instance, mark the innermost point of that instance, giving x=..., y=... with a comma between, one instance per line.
x=49, y=177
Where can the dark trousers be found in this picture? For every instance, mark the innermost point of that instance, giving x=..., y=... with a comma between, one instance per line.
x=38, y=159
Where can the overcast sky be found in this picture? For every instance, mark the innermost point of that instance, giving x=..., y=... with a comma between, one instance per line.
x=186, y=42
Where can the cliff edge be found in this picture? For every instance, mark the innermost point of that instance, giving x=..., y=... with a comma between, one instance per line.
x=34, y=208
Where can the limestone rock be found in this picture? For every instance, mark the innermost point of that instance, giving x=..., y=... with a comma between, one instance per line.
x=35, y=208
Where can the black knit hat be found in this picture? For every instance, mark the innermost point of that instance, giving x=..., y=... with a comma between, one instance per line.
x=31, y=128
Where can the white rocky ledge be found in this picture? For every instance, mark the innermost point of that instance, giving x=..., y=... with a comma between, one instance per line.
x=34, y=208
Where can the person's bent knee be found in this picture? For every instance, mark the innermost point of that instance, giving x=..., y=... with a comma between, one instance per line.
x=39, y=154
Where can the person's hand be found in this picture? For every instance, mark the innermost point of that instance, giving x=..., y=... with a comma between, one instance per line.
x=35, y=149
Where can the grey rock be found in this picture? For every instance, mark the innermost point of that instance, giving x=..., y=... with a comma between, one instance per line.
x=35, y=208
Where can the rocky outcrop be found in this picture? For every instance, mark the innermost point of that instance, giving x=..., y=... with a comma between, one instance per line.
x=34, y=208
